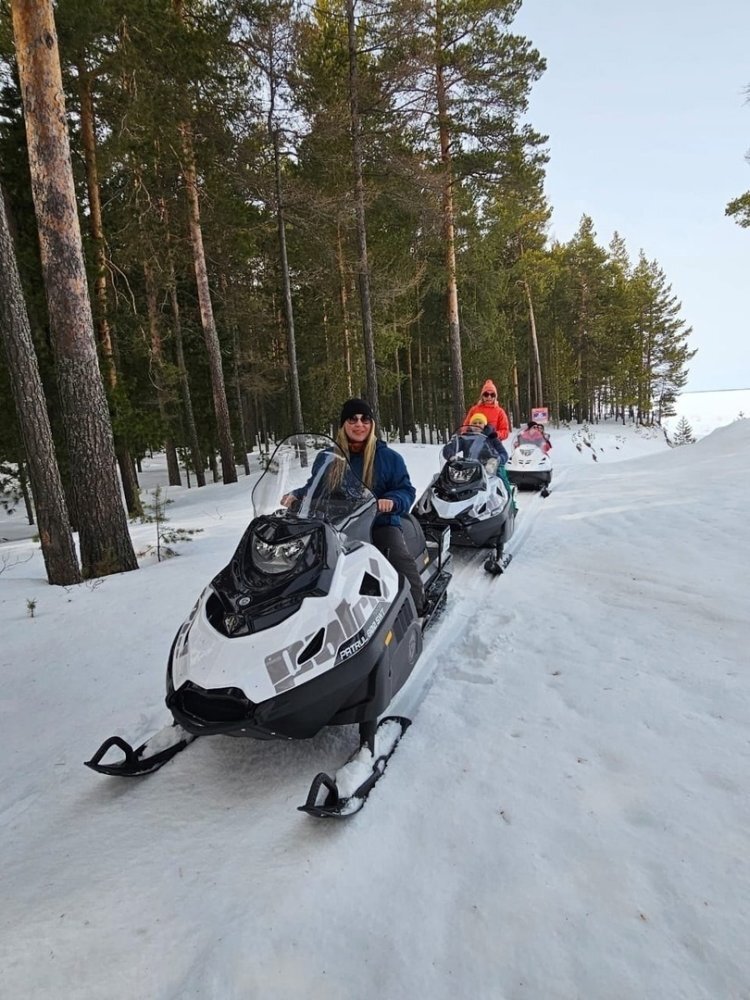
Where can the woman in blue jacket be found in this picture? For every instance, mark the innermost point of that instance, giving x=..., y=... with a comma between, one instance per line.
x=383, y=471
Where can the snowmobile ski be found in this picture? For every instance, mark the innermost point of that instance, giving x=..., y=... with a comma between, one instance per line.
x=148, y=757
x=497, y=565
x=347, y=792
x=436, y=596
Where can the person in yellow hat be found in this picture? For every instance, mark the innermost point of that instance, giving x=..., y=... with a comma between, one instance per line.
x=466, y=444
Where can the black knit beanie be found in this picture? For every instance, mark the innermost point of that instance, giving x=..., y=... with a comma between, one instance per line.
x=352, y=407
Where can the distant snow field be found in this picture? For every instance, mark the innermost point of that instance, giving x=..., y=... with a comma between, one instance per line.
x=705, y=411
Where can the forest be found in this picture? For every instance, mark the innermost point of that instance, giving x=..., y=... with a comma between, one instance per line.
x=220, y=219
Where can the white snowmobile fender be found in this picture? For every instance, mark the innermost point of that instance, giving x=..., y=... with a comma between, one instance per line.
x=488, y=501
x=529, y=458
x=266, y=663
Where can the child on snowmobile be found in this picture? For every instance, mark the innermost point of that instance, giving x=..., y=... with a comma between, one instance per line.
x=534, y=433
x=494, y=414
x=466, y=443
x=383, y=471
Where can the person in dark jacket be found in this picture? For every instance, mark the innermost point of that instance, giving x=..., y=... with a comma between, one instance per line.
x=384, y=473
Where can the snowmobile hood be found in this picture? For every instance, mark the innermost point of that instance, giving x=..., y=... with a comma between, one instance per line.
x=328, y=629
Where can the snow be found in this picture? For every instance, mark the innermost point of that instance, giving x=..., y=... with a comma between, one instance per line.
x=566, y=818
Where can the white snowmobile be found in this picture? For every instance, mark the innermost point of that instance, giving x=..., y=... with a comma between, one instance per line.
x=469, y=497
x=308, y=626
x=529, y=465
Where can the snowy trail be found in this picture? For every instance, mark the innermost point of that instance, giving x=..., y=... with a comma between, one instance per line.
x=469, y=581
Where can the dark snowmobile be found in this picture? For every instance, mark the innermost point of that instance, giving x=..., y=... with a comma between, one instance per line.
x=470, y=498
x=308, y=626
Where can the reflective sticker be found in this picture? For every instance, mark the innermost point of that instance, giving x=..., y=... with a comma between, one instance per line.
x=345, y=617
x=353, y=623
x=364, y=637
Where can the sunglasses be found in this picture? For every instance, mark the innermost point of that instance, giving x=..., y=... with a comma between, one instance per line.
x=359, y=419
x=489, y=395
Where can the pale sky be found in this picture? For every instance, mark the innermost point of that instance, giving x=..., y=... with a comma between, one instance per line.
x=649, y=125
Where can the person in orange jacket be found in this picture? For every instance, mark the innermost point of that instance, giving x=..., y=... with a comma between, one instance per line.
x=491, y=409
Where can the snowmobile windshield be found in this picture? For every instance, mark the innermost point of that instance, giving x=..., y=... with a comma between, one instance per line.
x=310, y=476
x=470, y=444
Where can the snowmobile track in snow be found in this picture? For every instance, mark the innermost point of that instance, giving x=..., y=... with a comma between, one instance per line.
x=458, y=616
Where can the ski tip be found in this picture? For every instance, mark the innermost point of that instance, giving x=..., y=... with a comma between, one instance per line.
x=349, y=807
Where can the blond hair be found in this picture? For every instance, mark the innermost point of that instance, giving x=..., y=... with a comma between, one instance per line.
x=336, y=472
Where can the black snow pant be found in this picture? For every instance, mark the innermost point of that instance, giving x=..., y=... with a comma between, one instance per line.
x=389, y=540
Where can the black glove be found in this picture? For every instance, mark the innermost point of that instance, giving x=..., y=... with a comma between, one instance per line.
x=489, y=432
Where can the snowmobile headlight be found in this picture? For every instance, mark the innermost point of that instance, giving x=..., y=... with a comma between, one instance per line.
x=461, y=474
x=278, y=557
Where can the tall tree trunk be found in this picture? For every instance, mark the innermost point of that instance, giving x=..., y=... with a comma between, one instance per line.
x=538, y=390
x=400, y=399
x=516, y=390
x=368, y=336
x=58, y=550
x=431, y=409
x=187, y=400
x=96, y=226
x=210, y=335
x=344, y=301
x=422, y=375
x=23, y=483
x=239, y=401
x=410, y=383
x=103, y=329
x=291, y=344
x=157, y=359
x=449, y=236
x=105, y=541
x=236, y=376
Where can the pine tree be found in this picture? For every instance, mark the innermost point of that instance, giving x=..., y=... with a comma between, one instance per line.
x=155, y=512
x=683, y=433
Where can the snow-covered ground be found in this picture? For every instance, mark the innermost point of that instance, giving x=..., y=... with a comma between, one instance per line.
x=567, y=818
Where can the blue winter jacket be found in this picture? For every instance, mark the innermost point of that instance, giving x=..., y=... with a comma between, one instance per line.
x=390, y=481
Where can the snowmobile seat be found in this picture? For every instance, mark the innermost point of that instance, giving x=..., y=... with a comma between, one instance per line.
x=414, y=538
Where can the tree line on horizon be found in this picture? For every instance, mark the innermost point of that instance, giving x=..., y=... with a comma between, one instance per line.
x=254, y=209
